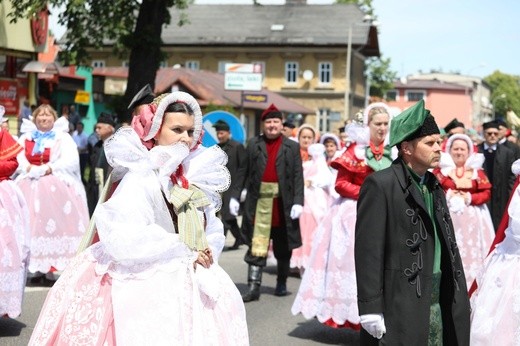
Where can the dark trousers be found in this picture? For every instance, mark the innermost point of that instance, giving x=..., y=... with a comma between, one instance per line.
x=83, y=161
x=280, y=248
x=232, y=225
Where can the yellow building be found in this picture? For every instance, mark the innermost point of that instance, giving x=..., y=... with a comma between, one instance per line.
x=303, y=50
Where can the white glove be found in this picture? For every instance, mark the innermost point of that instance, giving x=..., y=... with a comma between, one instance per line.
x=234, y=206
x=296, y=211
x=467, y=198
x=37, y=171
x=243, y=195
x=456, y=204
x=374, y=324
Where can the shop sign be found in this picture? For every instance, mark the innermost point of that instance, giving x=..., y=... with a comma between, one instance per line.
x=40, y=27
x=257, y=98
x=82, y=96
x=9, y=96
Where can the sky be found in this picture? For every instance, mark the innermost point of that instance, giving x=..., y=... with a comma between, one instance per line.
x=472, y=37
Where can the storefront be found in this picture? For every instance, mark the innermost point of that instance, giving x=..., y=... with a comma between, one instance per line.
x=20, y=44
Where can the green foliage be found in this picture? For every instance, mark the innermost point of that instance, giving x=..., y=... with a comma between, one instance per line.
x=380, y=75
x=90, y=23
x=505, y=93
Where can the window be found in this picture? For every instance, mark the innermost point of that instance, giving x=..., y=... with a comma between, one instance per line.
x=391, y=95
x=325, y=72
x=98, y=63
x=163, y=64
x=222, y=66
x=192, y=65
x=415, y=95
x=324, y=119
x=125, y=63
x=291, y=72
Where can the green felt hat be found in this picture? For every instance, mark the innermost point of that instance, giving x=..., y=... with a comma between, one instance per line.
x=414, y=122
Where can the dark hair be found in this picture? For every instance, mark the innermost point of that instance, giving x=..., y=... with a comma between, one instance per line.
x=179, y=107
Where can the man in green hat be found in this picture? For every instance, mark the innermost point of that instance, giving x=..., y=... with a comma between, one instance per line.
x=410, y=282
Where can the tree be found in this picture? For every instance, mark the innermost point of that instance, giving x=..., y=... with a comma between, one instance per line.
x=380, y=75
x=505, y=93
x=133, y=26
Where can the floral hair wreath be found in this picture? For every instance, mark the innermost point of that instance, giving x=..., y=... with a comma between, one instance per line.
x=149, y=120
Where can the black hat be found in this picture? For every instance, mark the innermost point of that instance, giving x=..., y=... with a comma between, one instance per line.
x=453, y=125
x=490, y=125
x=289, y=124
x=501, y=122
x=412, y=123
x=143, y=96
x=221, y=125
x=106, y=118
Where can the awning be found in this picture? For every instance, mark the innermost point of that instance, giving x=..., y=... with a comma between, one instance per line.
x=41, y=67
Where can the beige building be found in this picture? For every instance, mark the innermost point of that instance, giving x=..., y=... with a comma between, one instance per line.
x=302, y=49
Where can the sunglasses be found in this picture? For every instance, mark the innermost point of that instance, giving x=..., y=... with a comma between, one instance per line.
x=491, y=134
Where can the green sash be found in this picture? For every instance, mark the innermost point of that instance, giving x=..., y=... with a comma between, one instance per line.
x=263, y=218
x=190, y=226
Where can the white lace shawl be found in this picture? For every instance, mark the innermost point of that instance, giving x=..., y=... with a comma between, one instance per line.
x=135, y=227
x=474, y=161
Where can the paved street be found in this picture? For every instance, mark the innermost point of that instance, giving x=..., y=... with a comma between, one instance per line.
x=270, y=320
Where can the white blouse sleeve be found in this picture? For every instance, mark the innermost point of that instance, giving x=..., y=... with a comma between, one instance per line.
x=128, y=224
x=214, y=232
x=64, y=156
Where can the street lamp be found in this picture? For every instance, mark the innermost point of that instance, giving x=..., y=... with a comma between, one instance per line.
x=493, y=101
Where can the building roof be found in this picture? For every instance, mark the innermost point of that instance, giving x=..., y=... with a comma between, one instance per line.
x=207, y=87
x=428, y=84
x=272, y=25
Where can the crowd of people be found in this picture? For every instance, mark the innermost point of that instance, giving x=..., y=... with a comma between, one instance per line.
x=390, y=224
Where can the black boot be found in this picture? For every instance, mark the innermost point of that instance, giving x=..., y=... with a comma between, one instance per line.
x=281, y=280
x=254, y=280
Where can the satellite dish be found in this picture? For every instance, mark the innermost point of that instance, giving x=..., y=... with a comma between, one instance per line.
x=307, y=75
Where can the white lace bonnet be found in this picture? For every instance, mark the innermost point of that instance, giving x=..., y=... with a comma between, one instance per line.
x=371, y=106
x=462, y=136
x=162, y=102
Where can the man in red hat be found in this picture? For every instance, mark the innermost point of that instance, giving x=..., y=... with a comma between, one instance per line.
x=273, y=204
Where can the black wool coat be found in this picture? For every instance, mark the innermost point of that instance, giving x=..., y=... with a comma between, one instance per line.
x=502, y=183
x=237, y=159
x=394, y=254
x=290, y=183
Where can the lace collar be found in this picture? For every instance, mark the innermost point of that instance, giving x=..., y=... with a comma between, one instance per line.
x=203, y=167
x=60, y=125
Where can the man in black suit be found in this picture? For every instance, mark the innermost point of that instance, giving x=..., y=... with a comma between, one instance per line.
x=497, y=165
x=236, y=161
x=502, y=131
x=410, y=281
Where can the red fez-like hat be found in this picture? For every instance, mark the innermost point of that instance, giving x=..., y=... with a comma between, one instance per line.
x=271, y=112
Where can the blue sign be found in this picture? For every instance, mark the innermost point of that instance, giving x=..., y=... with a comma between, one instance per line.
x=210, y=134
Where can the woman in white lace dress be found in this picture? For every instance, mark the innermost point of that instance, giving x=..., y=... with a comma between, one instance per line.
x=49, y=178
x=495, y=305
x=14, y=230
x=153, y=278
